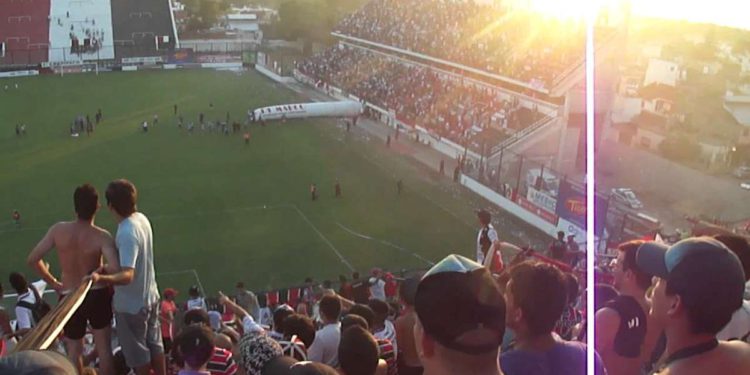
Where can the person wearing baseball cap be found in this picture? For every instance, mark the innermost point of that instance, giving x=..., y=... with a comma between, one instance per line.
x=699, y=285
x=460, y=319
x=536, y=295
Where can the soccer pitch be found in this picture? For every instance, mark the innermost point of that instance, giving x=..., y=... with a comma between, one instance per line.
x=228, y=211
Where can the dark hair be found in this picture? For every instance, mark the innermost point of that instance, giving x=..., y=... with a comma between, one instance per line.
x=196, y=316
x=300, y=325
x=330, y=307
x=571, y=282
x=358, y=352
x=560, y=234
x=739, y=247
x=342, y=278
x=18, y=282
x=195, y=345
x=380, y=308
x=194, y=291
x=355, y=275
x=279, y=315
x=703, y=317
x=86, y=201
x=122, y=196
x=630, y=249
x=365, y=312
x=240, y=285
x=327, y=284
x=540, y=291
x=351, y=320
x=603, y=293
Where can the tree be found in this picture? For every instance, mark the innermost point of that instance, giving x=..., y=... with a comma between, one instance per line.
x=679, y=147
x=204, y=14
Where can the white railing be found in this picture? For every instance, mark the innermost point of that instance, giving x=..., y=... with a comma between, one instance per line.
x=523, y=133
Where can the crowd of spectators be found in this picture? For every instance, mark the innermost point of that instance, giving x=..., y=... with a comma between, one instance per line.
x=489, y=36
x=447, y=106
x=669, y=307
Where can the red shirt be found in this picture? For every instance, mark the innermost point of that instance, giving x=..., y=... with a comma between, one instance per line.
x=222, y=363
x=167, y=326
x=391, y=288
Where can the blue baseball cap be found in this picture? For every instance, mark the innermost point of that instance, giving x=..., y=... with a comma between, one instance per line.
x=699, y=268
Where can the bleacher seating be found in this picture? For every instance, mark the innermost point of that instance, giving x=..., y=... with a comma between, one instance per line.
x=81, y=30
x=488, y=36
x=137, y=24
x=448, y=107
x=24, y=30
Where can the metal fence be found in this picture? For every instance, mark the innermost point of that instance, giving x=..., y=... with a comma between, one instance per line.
x=195, y=51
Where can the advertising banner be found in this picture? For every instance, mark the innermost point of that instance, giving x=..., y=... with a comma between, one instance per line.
x=571, y=206
x=181, y=56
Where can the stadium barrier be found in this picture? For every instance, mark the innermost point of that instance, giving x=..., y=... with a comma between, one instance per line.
x=44, y=333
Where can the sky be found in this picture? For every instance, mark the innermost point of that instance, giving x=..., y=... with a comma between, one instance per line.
x=732, y=13
x=721, y=12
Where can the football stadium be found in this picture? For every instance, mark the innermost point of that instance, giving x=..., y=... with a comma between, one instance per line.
x=228, y=187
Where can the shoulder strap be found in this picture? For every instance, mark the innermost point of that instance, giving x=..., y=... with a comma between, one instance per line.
x=25, y=305
x=36, y=293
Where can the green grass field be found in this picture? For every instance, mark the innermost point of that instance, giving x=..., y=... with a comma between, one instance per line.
x=229, y=211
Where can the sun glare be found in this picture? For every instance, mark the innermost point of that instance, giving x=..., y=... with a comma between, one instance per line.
x=562, y=9
x=722, y=12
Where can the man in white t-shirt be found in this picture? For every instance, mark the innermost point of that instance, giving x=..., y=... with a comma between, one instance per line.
x=136, y=299
x=487, y=235
x=26, y=296
x=325, y=347
x=377, y=285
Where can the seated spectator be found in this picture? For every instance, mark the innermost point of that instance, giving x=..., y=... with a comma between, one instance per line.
x=281, y=313
x=377, y=284
x=536, y=296
x=358, y=352
x=385, y=346
x=299, y=334
x=28, y=295
x=603, y=293
x=460, y=319
x=571, y=316
x=195, y=346
x=622, y=325
x=382, y=328
x=195, y=300
x=324, y=348
x=360, y=289
x=408, y=359
x=391, y=287
x=700, y=284
x=222, y=361
x=345, y=288
x=248, y=323
x=257, y=350
x=248, y=301
x=166, y=318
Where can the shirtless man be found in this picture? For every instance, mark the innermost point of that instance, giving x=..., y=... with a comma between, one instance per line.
x=80, y=246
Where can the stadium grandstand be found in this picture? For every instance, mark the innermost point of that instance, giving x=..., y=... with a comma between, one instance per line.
x=24, y=31
x=67, y=32
x=80, y=30
x=142, y=27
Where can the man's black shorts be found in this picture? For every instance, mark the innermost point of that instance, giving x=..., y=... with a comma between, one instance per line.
x=96, y=310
